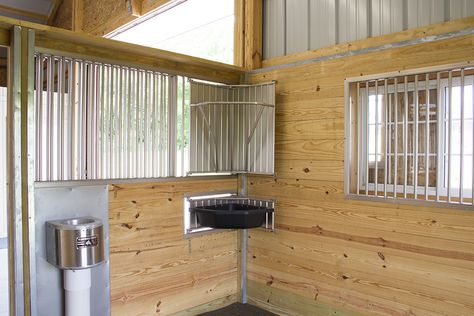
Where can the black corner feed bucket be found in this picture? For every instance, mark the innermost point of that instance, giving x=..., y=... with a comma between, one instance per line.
x=232, y=215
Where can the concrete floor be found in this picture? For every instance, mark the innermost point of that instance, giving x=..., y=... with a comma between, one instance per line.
x=239, y=309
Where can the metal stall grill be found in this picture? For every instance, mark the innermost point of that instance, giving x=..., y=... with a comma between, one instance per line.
x=99, y=120
x=232, y=128
x=411, y=136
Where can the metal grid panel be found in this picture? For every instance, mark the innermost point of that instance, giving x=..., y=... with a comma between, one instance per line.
x=232, y=128
x=101, y=121
x=412, y=136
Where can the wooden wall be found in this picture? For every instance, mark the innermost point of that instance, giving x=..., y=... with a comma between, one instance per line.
x=335, y=256
x=153, y=269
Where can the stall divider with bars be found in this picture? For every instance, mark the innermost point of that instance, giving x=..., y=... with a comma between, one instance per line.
x=97, y=120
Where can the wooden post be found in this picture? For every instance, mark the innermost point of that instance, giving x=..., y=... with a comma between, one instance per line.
x=239, y=32
x=77, y=15
x=252, y=34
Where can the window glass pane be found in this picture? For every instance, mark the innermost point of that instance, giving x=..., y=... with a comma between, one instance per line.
x=201, y=28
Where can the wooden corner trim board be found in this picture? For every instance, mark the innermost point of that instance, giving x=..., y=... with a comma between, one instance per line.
x=345, y=48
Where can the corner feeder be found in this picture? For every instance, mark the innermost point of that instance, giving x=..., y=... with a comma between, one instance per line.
x=233, y=213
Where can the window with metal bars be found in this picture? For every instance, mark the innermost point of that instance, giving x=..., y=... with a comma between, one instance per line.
x=410, y=136
x=97, y=120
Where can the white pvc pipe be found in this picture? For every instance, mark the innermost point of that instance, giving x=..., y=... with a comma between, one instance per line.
x=77, y=285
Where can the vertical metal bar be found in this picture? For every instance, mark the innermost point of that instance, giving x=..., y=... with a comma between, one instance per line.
x=102, y=126
x=376, y=137
x=450, y=131
x=183, y=121
x=146, y=129
x=72, y=118
x=386, y=109
x=162, y=125
x=358, y=142
x=129, y=124
x=172, y=124
x=79, y=152
x=96, y=120
x=367, y=130
x=110, y=100
x=84, y=112
x=461, y=185
x=405, y=138
x=427, y=135
x=154, y=124
x=39, y=117
x=78, y=135
x=134, y=115
x=472, y=150
x=89, y=128
x=57, y=137
x=48, y=111
x=62, y=141
x=137, y=123
x=29, y=164
x=117, y=125
x=15, y=200
x=121, y=131
x=395, y=162
x=415, y=142
x=98, y=123
x=439, y=126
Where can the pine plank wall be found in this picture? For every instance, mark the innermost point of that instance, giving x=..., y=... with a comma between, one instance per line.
x=332, y=256
x=153, y=269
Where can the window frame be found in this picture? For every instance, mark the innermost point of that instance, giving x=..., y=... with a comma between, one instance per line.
x=350, y=118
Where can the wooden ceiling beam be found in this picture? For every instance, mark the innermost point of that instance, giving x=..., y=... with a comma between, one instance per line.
x=53, y=11
x=24, y=13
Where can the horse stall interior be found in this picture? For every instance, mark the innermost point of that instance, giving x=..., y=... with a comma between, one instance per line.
x=327, y=171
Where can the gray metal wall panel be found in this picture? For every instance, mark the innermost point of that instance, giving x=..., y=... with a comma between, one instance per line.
x=321, y=23
x=424, y=12
x=274, y=28
x=460, y=8
x=387, y=17
x=353, y=20
x=297, y=22
x=312, y=24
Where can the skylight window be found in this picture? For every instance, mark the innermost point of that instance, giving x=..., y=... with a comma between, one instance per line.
x=200, y=28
